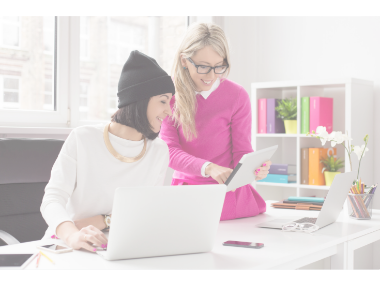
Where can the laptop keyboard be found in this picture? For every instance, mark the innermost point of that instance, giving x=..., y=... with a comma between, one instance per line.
x=307, y=219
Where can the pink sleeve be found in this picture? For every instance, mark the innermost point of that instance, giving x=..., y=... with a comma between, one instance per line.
x=179, y=160
x=241, y=127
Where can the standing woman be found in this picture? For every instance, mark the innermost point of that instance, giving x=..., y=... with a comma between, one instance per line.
x=97, y=159
x=211, y=125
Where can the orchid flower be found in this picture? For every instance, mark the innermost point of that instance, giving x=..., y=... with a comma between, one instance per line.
x=322, y=134
x=359, y=150
x=337, y=137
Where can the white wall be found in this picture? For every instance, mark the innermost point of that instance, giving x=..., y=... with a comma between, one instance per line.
x=293, y=48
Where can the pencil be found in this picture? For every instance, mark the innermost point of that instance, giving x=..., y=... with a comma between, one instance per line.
x=48, y=258
x=353, y=207
x=38, y=259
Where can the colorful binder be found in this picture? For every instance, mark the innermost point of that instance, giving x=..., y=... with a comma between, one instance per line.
x=274, y=124
x=284, y=179
x=305, y=108
x=307, y=199
x=316, y=177
x=283, y=169
x=305, y=166
x=262, y=114
x=321, y=113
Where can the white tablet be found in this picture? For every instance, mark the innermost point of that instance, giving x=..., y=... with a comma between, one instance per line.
x=243, y=174
x=16, y=261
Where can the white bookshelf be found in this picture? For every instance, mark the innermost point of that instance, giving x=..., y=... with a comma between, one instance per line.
x=352, y=111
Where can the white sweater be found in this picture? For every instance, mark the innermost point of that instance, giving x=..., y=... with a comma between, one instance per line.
x=85, y=175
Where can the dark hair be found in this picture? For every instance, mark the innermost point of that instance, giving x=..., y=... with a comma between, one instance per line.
x=135, y=115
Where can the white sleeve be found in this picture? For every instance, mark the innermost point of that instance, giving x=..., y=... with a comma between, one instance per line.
x=165, y=165
x=203, y=170
x=61, y=185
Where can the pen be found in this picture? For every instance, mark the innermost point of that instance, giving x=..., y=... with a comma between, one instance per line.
x=48, y=258
x=38, y=259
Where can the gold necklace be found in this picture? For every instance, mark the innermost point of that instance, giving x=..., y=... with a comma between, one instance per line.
x=117, y=155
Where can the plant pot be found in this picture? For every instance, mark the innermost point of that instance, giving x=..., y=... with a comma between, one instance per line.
x=329, y=177
x=290, y=126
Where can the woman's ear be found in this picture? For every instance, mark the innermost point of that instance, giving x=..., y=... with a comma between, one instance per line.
x=183, y=61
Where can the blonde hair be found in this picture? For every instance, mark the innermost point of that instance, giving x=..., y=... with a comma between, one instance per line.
x=198, y=36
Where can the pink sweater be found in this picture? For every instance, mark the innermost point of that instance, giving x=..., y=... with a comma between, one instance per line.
x=223, y=122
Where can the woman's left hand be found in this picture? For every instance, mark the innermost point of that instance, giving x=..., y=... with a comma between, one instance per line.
x=263, y=171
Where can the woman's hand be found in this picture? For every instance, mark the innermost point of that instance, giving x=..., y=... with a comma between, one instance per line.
x=218, y=173
x=263, y=171
x=85, y=237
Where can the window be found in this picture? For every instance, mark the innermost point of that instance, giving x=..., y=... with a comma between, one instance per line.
x=84, y=38
x=10, y=93
x=110, y=40
x=49, y=96
x=49, y=31
x=10, y=31
x=29, y=56
x=124, y=37
x=64, y=71
x=83, y=101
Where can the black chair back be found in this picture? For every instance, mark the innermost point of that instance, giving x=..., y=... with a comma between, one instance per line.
x=25, y=168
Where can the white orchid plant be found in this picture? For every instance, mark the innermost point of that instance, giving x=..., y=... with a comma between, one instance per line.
x=337, y=137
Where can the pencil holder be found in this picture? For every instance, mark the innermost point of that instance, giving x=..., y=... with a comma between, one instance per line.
x=360, y=206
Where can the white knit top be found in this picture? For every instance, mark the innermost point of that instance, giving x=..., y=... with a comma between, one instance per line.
x=85, y=175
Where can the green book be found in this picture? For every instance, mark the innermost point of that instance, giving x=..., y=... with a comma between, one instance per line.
x=305, y=112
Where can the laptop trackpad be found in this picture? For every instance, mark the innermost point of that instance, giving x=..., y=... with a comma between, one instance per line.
x=276, y=223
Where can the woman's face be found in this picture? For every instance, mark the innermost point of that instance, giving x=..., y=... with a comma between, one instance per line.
x=158, y=109
x=208, y=57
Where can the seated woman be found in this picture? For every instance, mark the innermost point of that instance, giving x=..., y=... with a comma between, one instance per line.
x=97, y=159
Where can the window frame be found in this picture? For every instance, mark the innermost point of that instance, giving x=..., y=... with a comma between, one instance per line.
x=67, y=88
x=59, y=117
x=18, y=25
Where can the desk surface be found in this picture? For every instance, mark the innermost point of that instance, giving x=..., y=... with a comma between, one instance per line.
x=280, y=251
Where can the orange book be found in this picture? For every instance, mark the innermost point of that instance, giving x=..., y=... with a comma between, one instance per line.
x=316, y=177
x=315, y=170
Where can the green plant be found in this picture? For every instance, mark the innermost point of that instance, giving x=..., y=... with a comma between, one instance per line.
x=332, y=165
x=287, y=109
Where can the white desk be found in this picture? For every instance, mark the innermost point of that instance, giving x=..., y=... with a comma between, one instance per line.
x=282, y=250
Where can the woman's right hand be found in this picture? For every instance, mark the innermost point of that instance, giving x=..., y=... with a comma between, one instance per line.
x=86, y=237
x=218, y=173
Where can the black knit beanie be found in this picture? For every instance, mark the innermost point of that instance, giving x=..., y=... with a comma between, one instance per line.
x=142, y=78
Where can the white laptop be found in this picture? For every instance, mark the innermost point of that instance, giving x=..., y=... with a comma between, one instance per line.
x=167, y=220
x=331, y=208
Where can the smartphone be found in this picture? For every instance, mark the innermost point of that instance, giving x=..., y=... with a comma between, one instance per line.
x=55, y=248
x=15, y=261
x=243, y=244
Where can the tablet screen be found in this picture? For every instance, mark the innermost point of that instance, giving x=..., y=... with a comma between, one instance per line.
x=13, y=260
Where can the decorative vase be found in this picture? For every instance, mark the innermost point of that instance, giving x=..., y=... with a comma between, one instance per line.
x=329, y=177
x=290, y=126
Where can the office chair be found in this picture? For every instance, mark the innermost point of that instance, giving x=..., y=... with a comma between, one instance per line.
x=25, y=167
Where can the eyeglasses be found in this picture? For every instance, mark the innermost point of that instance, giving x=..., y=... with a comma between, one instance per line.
x=206, y=69
x=300, y=227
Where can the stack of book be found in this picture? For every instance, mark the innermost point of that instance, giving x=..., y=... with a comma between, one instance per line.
x=316, y=111
x=267, y=115
x=311, y=166
x=300, y=203
x=281, y=173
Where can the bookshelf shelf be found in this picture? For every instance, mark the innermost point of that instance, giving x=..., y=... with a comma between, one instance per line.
x=352, y=98
x=293, y=185
x=280, y=135
x=277, y=185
